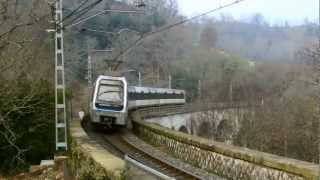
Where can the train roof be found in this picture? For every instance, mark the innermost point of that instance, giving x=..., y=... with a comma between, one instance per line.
x=138, y=89
x=101, y=77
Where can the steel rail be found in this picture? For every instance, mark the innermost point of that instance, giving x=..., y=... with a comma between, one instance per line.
x=148, y=169
x=127, y=148
x=117, y=145
x=122, y=147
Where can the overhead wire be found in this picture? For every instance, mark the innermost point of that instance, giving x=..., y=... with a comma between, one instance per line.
x=146, y=35
x=78, y=12
x=75, y=10
x=195, y=17
x=84, y=11
x=100, y=13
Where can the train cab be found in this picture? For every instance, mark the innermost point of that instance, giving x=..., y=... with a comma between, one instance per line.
x=109, y=102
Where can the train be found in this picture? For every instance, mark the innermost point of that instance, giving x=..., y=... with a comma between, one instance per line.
x=113, y=98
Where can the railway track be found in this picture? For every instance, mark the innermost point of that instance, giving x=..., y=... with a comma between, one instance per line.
x=120, y=144
x=126, y=148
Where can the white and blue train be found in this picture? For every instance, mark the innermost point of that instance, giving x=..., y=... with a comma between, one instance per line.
x=113, y=98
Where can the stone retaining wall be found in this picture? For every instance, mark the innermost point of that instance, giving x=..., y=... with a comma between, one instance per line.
x=89, y=160
x=221, y=159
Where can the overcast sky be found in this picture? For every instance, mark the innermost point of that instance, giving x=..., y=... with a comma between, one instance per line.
x=275, y=11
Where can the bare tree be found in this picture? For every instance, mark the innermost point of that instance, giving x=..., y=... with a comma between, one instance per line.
x=209, y=36
x=23, y=57
x=309, y=56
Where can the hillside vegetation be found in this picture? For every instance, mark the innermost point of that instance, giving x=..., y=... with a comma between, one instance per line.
x=221, y=60
x=215, y=60
x=259, y=41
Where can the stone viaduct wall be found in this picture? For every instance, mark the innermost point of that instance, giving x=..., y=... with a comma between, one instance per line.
x=227, y=161
x=218, y=124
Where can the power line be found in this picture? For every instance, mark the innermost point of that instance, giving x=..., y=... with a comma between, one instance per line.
x=143, y=37
x=80, y=11
x=125, y=51
x=85, y=10
x=103, y=12
x=195, y=17
x=75, y=10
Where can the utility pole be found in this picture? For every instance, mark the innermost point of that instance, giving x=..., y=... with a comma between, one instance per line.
x=89, y=71
x=89, y=79
x=140, y=83
x=199, y=89
x=170, y=85
x=60, y=97
x=90, y=75
x=158, y=75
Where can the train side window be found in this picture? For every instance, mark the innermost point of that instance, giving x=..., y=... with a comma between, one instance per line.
x=166, y=95
x=163, y=95
x=135, y=95
x=140, y=95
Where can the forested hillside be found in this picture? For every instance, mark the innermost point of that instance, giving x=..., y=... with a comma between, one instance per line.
x=214, y=60
x=259, y=41
x=221, y=60
x=217, y=52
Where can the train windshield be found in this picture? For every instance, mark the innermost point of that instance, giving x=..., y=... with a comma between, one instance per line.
x=111, y=93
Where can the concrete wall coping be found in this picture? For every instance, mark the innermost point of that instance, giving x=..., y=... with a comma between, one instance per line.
x=93, y=149
x=293, y=166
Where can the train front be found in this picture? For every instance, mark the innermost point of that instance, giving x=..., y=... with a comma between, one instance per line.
x=109, y=105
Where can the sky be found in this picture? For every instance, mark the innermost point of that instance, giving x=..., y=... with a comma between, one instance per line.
x=274, y=11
